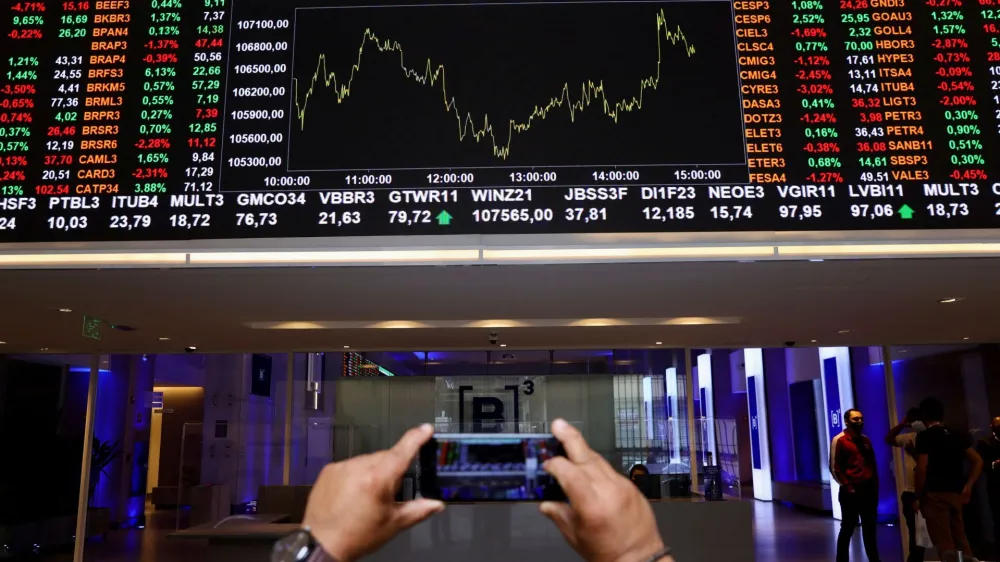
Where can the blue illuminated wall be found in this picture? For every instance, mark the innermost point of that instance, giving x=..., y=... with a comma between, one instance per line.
x=133, y=487
x=755, y=415
x=838, y=397
x=802, y=399
x=109, y=427
x=731, y=404
x=779, y=417
x=870, y=397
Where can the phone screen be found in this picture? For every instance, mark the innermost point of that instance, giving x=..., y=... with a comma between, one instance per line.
x=473, y=467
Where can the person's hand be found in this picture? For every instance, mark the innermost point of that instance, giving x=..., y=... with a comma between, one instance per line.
x=966, y=494
x=352, y=509
x=606, y=519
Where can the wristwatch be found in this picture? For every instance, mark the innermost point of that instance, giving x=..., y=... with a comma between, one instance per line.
x=299, y=546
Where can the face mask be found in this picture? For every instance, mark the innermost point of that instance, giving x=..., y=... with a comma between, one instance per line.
x=918, y=426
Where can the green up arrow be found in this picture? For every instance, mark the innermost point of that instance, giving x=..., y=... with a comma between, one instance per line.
x=443, y=218
x=92, y=327
x=905, y=212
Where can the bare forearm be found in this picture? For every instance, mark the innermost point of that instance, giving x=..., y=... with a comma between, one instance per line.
x=890, y=438
x=974, y=472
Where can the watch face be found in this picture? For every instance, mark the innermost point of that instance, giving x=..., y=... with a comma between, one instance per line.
x=296, y=547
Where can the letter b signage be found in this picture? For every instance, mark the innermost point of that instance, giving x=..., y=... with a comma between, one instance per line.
x=488, y=413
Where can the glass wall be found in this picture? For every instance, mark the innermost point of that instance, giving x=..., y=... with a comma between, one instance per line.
x=188, y=439
x=43, y=407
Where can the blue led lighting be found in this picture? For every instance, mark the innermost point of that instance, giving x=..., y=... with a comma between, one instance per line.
x=86, y=370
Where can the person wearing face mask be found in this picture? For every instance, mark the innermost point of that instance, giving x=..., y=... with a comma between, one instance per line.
x=989, y=449
x=852, y=464
x=905, y=441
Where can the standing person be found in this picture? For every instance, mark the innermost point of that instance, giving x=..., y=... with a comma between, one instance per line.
x=989, y=450
x=852, y=463
x=942, y=489
x=906, y=442
x=636, y=471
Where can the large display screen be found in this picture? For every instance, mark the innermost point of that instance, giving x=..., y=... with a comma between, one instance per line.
x=191, y=119
x=500, y=467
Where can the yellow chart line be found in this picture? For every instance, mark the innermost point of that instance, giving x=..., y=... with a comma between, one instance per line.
x=433, y=75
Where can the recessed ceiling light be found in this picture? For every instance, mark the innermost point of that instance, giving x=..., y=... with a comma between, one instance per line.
x=503, y=345
x=44, y=349
x=190, y=348
x=164, y=339
x=965, y=338
x=950, y=300
x=65, y=310
x=816, y=259
x=812, y=341
x=843, y=331
x=659, y=343
x=347, y=347
x=904, y=350
x=3, y=343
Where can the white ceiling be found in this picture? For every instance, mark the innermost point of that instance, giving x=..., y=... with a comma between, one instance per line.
x=879, y=301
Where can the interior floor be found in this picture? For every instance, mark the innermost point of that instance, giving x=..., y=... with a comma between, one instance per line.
x=782, y=533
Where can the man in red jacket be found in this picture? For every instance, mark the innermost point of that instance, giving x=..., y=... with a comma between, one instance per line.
x=852, y=464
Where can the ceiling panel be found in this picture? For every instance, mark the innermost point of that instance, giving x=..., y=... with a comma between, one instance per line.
x=879, y=301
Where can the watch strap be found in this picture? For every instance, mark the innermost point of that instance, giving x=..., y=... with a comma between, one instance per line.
x=320, y=555
x=659, y=554
x=299, y=546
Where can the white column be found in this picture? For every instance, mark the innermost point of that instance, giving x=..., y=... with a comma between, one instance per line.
x=760, y=450
x=286, y=474
x=838, y=397
x=88, y=444
x=673, y=421
x=707, y=407
x=691, y=428
x=898, y=463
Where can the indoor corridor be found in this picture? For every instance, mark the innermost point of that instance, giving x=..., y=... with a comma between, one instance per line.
x=781, y=534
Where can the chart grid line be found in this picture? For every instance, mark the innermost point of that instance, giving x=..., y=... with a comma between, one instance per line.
x=294, y=94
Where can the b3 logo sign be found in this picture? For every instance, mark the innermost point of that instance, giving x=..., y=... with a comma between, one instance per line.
x=489, y=413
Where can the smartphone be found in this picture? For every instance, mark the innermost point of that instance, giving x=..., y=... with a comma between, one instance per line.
x=477, y=467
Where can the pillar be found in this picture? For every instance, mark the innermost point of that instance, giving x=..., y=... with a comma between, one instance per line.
x=88, y=438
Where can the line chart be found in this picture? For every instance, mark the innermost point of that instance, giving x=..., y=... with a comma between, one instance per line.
x=513, y=85
x=435, y=76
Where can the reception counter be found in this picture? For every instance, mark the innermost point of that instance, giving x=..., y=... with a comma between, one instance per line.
x=698, y=531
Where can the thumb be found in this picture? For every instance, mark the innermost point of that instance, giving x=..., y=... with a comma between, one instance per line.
x=562, y=515
x=410, y=513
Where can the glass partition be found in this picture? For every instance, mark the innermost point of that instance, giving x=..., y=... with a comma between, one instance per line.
x=205, y=435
